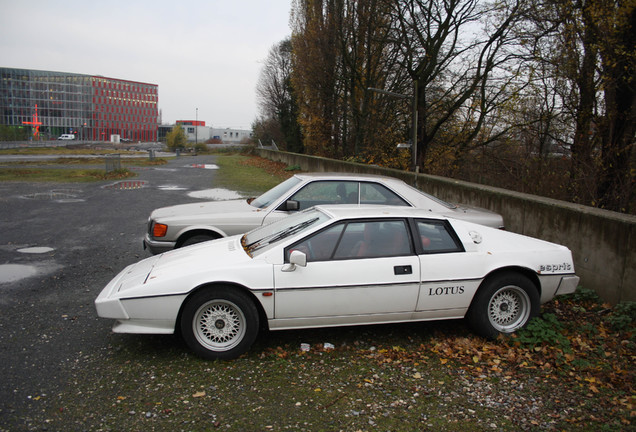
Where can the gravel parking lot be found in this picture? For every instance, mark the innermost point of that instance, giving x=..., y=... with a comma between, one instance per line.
x=60, y=244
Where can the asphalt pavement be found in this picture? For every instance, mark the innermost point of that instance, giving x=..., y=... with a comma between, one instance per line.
x=59, y=245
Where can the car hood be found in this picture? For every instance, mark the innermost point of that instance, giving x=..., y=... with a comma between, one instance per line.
x=202, y=208
x=190, y=263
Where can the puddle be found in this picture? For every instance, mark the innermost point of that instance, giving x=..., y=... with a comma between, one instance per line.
x=57, y=195
x=36, y=250
x=15, y=272
x=204, y=166
x=216, y=194
x=171, y=188
x=127, y=185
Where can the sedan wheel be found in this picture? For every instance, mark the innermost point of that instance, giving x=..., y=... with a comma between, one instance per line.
x=504, y=304
x=220, y=323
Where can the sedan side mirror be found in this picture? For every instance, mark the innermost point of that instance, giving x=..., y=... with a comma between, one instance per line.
x=289, y=205
x=296, y=258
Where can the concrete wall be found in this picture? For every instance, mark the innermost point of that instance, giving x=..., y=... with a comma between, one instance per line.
x=603, y=243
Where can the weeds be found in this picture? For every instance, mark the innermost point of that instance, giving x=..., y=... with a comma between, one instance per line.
x=543, y=330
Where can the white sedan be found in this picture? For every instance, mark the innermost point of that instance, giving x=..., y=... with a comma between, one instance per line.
x=186, y=224
x=338, y=266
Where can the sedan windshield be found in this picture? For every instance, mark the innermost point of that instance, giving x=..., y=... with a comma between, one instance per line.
x=273, y=194
x=268, y=235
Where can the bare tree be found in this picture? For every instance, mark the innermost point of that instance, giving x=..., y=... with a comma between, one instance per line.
x=458, y=78
x=276, y=98
x=589, y=48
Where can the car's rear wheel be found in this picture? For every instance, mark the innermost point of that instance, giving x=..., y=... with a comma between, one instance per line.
x=504, y=304
x=219, y=323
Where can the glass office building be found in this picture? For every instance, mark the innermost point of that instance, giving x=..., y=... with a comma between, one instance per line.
x=91, y=107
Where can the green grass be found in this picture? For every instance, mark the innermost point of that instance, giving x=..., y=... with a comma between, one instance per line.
x=236, y=172
x=60, y=170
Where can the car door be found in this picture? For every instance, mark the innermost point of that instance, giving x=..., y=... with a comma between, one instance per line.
x=450, y=275
x=358, y=271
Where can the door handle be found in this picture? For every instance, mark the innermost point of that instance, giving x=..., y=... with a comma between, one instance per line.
x=402, y=270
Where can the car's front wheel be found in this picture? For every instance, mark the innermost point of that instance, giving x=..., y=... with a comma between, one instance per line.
x=504, y=304
x=199, y=238
x=219, y=323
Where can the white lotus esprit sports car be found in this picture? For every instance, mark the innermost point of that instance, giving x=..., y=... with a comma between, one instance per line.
x=337, y=266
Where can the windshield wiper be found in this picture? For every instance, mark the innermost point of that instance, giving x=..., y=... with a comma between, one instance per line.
x=272, y=238
x=292, y=230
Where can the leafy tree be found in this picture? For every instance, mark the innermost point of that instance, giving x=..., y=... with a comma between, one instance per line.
x=176, y=138
x=315, y=74
x=339, y=51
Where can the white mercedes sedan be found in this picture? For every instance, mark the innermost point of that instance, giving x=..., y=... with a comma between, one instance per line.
x=334, y=266
x=186, y=224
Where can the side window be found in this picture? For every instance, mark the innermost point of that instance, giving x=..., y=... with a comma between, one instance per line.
x=356, y=240
x=318, y=247
x=437, y=237
x=374, y=239
x=374, y=193
x=327, y=192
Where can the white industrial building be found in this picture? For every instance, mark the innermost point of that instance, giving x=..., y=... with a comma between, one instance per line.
x=197, y=131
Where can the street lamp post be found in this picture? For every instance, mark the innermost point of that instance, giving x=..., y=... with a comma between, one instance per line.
x=413, y=100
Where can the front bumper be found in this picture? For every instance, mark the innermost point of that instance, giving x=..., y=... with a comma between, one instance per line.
x=557, y=284
x=156, y=247
x=568, y=285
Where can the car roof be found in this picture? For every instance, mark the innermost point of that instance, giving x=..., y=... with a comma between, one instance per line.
x=344, y=176
x=345, y=211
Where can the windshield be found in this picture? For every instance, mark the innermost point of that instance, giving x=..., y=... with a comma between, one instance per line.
x=268, y=235
x=273, y=194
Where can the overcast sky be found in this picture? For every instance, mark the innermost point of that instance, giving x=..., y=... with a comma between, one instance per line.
x=204, y=54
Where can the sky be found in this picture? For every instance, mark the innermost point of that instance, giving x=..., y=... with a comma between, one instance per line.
x=205, y=55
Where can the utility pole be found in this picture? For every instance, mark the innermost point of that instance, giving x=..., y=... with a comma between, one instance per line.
x=413, y=100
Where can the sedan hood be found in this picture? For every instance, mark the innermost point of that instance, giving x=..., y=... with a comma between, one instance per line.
x=203, y=208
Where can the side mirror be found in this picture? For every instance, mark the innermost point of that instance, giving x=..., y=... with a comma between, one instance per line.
x=290, y=205
x=296, y=258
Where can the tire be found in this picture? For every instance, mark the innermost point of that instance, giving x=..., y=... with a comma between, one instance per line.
x=219, y=323
x=199, y=238
x=503, y=305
